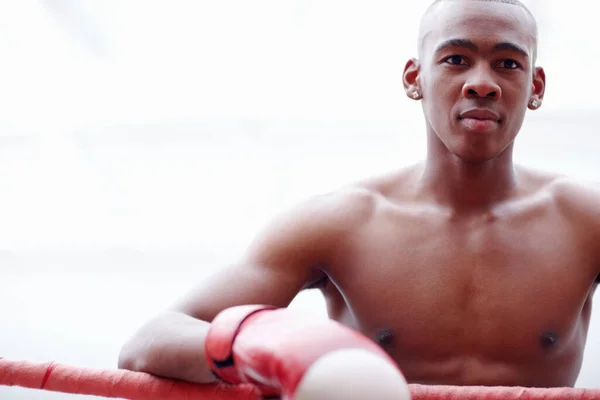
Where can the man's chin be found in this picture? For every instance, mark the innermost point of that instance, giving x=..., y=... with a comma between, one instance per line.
x=474, y=148
x=475, y=156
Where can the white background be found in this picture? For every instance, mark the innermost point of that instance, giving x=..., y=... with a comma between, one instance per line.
x=143, y=143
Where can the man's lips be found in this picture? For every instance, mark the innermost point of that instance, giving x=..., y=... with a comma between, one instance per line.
x=480, y=120
x=481, y=114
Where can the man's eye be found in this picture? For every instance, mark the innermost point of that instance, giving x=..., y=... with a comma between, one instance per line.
x=509, y=64
x=455, y=60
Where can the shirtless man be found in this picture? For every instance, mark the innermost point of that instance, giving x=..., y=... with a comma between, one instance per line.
x=466, y=268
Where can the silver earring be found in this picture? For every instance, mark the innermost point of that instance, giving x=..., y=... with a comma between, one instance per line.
x=534, y=103
x=416, y=95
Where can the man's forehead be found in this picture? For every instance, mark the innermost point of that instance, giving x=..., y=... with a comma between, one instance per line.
x=477, y=20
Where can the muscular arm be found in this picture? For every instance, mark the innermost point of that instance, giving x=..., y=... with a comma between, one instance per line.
x=280, y=262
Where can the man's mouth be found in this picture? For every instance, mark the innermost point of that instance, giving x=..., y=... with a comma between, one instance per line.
x=480, y=120
x=480, y=114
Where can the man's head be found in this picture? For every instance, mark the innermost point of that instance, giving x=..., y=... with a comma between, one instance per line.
x=476, y=74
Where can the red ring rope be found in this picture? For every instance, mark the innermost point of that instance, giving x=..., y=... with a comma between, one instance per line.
x=117, y=383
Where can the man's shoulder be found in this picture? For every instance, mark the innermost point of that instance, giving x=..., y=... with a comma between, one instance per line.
x=562, y=186
x=352, y=203
x=572, y=192
x=365, y=194
x=347, y=203
x=576, y=198
x=378, y=186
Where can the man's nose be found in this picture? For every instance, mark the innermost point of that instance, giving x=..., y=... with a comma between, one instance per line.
x=482, y=85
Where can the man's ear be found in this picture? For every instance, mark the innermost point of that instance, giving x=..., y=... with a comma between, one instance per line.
x=410, y=79
x=538, y=88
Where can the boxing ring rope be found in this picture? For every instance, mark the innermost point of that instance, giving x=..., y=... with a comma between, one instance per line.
x=130, y=385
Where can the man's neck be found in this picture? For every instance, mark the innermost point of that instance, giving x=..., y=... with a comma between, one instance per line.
x=464, y=186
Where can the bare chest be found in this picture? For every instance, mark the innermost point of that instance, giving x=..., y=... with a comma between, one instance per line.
x=501, y=292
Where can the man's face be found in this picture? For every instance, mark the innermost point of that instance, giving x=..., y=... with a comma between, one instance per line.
x=476, y=75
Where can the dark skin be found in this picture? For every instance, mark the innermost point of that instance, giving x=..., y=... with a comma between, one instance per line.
x=467, y=269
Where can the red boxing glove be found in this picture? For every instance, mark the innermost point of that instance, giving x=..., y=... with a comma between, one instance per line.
x=272, y=348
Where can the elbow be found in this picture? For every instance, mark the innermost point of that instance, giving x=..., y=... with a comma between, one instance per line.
x=131, y=359
x=139, y=352
x=135, y=353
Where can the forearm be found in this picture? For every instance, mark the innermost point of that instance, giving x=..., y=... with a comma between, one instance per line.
x=170, y=346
